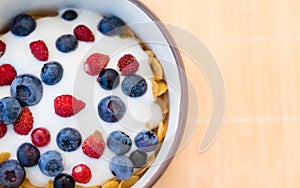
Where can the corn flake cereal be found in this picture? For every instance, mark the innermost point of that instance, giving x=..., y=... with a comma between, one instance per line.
x=129, y=183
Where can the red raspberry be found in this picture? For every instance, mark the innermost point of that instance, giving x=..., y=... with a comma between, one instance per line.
x=39, y=50
x=2, y=47
x=128, y=64
x=3, y=129
x=67, y=105
x=24, y=123
x=7, y=74
x=95, y=63
x=83, y=33
x=94, y=145
x=81, y=173
x=40, y=137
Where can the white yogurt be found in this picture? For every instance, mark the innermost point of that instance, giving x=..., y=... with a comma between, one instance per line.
x=75, y=81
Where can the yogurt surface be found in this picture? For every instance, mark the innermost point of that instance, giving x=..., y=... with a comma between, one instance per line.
x=141, y=113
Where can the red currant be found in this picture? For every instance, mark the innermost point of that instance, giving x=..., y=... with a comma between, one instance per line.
x=40, y=137
x=81, y=173
x=3, y=129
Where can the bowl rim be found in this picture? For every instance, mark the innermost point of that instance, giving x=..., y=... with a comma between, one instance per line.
x=184, y=91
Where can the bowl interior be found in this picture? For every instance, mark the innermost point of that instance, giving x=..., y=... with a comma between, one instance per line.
x=141, y=20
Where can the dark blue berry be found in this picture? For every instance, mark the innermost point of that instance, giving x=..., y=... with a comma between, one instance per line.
x=28, y=89
x=69, y=15
x=111, y=109
x=10, y=110
x=108, y=79
x=134, y=85
x=64, y=181
x=12, y=174
x=110, y=26
x=138, y=158
x=121, y=167
x=22, y=25
x=66, y=43
x=119, y=142
x=28, y=155
x=68, y=139
x=146, y=141
x=51, y=163
x=52, y=73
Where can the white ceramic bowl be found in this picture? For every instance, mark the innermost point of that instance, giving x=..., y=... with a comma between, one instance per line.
x=157, y=39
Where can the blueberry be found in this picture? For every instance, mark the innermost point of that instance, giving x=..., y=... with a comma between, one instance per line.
x=68, y=139
x=69, y=15
x=22, y=25
x=10, y=110
x=134, y=85
x=12, y=174
x=28, y=155
x=28, y=89
x=119, y=142
x=66, y=43
x=111, y=109
x=121, y=167
x=110, y=26
x=51, y=163
x=108, y=79
x=52, y=73
x=138, y=158
x=64, y=181
x=146, y=141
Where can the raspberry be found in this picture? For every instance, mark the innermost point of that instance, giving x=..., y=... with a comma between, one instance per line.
x=81, y=173
x=94, y=145
x=128, y=64
x=24, y=123
x=83, y=33
x=39, y=50
x=2, y=47
x=7, y=74
x=67, y=105
x=95, y=63
x=3, y=129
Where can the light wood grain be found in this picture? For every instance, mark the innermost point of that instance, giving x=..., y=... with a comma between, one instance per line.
x=257, y=45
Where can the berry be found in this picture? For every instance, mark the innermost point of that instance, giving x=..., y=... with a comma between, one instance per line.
x=111, y=109
x=52, y=73
x=22, y=25
x=28, y=89
x=110, y=26
x=3, y=130
x=10, y=109
x=24, y=123
x=12, y=174
x=95, y=63
x=40, y=137
x=67, y=105
x=128, y=64
x=68, y=139
x=28, y=155
x=94, y=145
x=81, y=173
x=63, y=181
x=2, y=48
x=51, y=163
x=69, y=15
x=146, y=141
x=66, y=43
x=108, y=79
x=119, y=142
x=7, y=74
x=83, y=33
x=39, y=50
x=121, y=167
x=138, y=158
x=134, y=86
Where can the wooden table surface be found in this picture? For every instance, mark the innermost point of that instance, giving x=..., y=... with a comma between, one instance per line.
x=257, y=46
